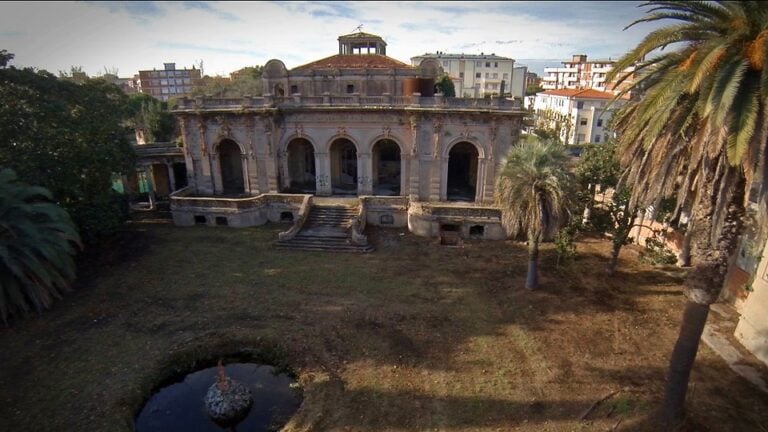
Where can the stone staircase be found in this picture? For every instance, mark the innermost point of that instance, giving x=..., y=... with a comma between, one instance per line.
x=326, y=229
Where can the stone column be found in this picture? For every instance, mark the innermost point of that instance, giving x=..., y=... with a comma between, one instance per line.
x=481, y=180
x=436, y=171
x=413, y=181
x=171, y=177
x=206, y=182
x=215, y=167
x=364, y=174
x=271, y=161
x=323, y=174
x=246, y=174
x=285, y=175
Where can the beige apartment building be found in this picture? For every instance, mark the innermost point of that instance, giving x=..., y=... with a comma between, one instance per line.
x=474, y=75
x=168, y=82
x=580, y=73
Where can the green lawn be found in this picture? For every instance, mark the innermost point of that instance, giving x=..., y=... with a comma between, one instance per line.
x=415, y=336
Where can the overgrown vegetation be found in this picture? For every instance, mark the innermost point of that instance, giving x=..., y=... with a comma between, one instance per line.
x=445, y=86
x=69, y=138
x=433, y=339
x=245, y=82
x=37, y=239
x=698, y=134
x=533, y=189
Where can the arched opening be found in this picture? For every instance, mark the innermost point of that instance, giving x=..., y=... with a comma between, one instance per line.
x=301, y=166
x=462, y=172
x=231, y=165
x=279, y=90
x=343, y=167
x=386, y=168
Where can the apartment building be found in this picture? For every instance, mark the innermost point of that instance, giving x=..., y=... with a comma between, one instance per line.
x=580, y=73
x=474, y=76
x=580, y=115
x=168, y=82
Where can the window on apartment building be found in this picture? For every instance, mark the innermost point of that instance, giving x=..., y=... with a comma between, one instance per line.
x=154, y=74
x=583, y=122
x=487, y=64
x=597, y=138
x=487, y=74
x=187, y=81
x=505, y=76
x=163, y=82
x=579, y=138
x=461, y=74
x=495, y=64
x=478, y=75
x=496, y=76
x=599, y=122
x=605, y=137
x=479, y=64
x=580, y=104
x=350, y=88
x=294, y=89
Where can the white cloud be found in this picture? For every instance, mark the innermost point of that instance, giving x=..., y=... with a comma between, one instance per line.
x=230, y=35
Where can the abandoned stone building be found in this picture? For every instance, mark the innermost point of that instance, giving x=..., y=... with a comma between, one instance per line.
x=359, y=125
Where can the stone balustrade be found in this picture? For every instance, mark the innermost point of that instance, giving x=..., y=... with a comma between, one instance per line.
x=353, y=100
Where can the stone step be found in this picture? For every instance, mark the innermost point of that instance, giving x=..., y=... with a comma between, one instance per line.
x=327, y=246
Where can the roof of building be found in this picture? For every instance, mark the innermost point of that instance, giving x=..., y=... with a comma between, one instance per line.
x=579, y=93
x=354, y=61
x=480, y=56
x=360, y=35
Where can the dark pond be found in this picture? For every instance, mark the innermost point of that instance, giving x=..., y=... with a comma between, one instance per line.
x=179, y=407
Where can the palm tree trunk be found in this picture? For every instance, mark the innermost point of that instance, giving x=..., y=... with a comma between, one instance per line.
x=702, y=287
x=614, y=258
x=685, y=250
x=532, y=280
x=681, y=362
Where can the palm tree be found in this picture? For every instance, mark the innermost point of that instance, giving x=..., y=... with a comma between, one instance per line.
x=532, y=189
x=698, y=135
x=36, y=247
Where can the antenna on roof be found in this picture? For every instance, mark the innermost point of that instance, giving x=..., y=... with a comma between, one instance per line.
x=359, y=28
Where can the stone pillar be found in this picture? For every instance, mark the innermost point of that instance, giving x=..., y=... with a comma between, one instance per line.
x=323, y=174
x=404, y=175
x=271, y=161
x=480, y=187
x=490, y=180
x=246, y=173
x=435, y=177
x=171, y=177
x=215, y=167
x=285, y=175
x=413, y=181
x=364, y=174
x=436, y=171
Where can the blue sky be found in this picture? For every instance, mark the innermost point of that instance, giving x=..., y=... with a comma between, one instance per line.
x=129, y=36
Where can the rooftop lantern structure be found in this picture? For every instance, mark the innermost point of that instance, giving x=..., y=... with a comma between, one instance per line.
x=362, y=43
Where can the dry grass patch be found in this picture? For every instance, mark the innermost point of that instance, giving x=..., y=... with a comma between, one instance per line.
x=412, y=337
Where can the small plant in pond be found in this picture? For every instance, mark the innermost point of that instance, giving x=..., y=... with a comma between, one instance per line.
x=227, y=401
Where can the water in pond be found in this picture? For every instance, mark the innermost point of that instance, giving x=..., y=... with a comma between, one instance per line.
x=179, y=406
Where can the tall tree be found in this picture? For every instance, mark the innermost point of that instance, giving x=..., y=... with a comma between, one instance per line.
x=698, y=134
x=445, y=86
x=37, y=239
x=597, y=166
x=70, y=139
x=532, y=189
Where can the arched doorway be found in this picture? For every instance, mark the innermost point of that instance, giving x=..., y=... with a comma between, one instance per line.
x=279, y=90
x=231, y=165
x=387, y=175
x=343, y=167
x=301, y=166
x=462, y=172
